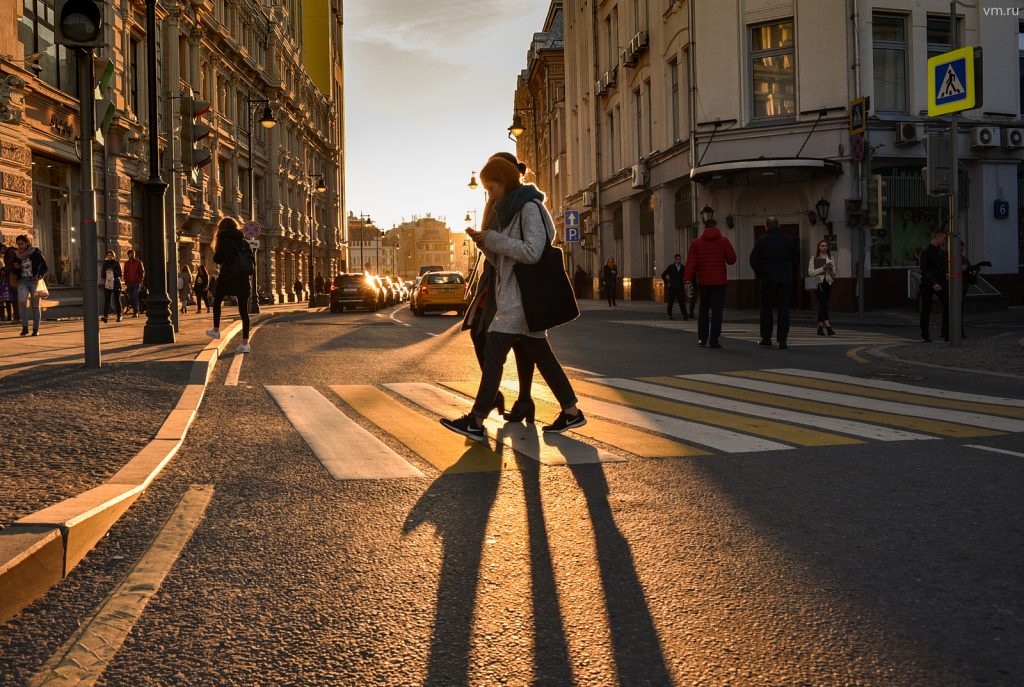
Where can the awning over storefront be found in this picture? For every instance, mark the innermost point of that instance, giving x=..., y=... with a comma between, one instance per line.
x=765, y=169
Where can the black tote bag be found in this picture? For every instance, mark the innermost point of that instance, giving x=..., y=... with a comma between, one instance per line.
x=548, y=298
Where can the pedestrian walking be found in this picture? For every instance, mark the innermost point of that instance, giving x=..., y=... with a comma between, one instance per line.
x=934, y=283
x=822, y=268
x=31, y=268
x=110, y=276
x=202, y=289
x=579, y=280
x=134, y=275
x=297, y=286
x=610, y=280
x=237, y=263
x=774, y=260
x=6, y=296
x=707, y=263
x=522, y=233
x=13, y=275
x=319, y=283
x=675, y=286
x=185, y=286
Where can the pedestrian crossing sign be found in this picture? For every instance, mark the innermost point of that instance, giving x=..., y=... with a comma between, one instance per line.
x=953, y=82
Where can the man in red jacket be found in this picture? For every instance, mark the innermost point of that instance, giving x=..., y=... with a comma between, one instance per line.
x=709, y=254
x=134, y=273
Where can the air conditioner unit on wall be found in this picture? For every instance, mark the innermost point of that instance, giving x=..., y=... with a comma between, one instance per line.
x=640, y=175
x=628, y=56
x=599, y=88
x=986, y=137
x=588, y=199
x=1013, y=138
x=609, y=78
x=642, y=40
x=589, y=226
x=908, y=133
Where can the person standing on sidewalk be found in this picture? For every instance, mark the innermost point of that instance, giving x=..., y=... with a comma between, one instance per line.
x=13, y=275
x=110, y=276
x=675, y=286
x=202, y=289
x=31, y=268
x=134, y=274
x=823, y=267
x=773, y=260
x=6, y=295
x=610, y=280
x=234, y=255
x=710, y=254
x=934, y=283
x=319, y=283
x=184, y=286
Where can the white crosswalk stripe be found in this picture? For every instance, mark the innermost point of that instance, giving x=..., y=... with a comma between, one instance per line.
x=798, y=336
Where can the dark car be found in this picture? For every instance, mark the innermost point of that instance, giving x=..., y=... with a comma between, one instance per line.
x=353, y=291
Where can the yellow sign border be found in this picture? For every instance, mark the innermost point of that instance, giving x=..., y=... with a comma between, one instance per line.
x=968, y=103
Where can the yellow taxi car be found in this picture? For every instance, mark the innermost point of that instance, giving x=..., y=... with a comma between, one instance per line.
x=441, y=292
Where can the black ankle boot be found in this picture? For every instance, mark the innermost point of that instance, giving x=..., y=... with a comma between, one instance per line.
x=522, y=410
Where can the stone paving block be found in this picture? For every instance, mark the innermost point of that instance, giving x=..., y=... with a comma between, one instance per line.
x=31, y=561
x=147, y=463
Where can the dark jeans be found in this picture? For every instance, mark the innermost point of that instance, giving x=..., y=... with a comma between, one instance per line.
x=712, y=305
x=202, y=296
x=676, y=294
x=524, y=364
x=539, y=351
x=609, y=292
x=926, y=310
x=775, y=297
x=824, y=292
x=108, y=296
x=133, y=296
x=243, y=311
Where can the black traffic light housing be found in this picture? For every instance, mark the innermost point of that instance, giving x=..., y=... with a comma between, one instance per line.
x=192, y=132
x=79, y=23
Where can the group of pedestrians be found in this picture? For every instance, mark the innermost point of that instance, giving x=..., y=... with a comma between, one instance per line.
x=115, y=278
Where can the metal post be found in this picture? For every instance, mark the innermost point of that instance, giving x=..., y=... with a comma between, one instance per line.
x=254, y=298
x=89, y=258
x=312, y=268
x=158, y=329
x=954, y=294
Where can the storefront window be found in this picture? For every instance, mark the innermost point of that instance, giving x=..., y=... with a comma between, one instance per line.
x=54, y=204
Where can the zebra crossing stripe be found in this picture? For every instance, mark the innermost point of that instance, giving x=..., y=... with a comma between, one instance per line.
x=424, y=436
x=748, y=381
x=904, y=388
x=917, y=399
x=705, y=435
x=643, y=444
x=858, y=429
x=346, y=449
x=750, y=425
x=523, y=438
x=745, y=392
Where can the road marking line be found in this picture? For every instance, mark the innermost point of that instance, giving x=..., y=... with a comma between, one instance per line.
x=643, y=444
x=916, y=398
x=588, y=373
x=86, y=655
x=705, y=435
x=395, y=312
x=445, y=450
x=995, y=450
x=745, y=392
x=236, y=363
x=852, y=401
x=852, y=354
x=432, y=334
x=897, y=386
x=344, y=447
x=748, y=425
x=525, y=439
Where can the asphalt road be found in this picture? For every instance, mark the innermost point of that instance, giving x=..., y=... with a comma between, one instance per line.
x=869, y=563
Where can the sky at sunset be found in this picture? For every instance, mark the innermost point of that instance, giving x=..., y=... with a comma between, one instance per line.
x=429, y=90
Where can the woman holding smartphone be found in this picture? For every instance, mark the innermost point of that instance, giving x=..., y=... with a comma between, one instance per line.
x=823, y=267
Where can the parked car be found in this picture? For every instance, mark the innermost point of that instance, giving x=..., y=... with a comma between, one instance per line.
x=414, y=293
x=441, y=292
x=353, y=291
x=394, y=295
x=382, y=292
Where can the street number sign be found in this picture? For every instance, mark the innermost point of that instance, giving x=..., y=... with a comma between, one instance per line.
x=572, y=226
x=251, y=230
x=858, y=116
x=953, y=83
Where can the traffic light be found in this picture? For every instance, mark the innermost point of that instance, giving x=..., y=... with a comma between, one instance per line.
x=79, y=23
x=192, y=132
x=876, y=202
x=103, y=69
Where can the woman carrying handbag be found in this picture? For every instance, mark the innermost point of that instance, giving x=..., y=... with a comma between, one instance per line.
x=520, y=241
x=110, y=275
x=823, y=269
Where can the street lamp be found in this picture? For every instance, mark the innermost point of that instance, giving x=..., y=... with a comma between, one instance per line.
x=822, y=207
x=707, y=214
x=319, y=188
x=267, y=120
x=517, y=128
x=472, y=181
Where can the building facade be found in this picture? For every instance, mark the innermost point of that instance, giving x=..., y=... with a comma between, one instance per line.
x=227, y=53
x=747, y=115
x=422, y=241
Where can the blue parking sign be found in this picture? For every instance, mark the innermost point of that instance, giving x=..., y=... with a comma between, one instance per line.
x=572, y=225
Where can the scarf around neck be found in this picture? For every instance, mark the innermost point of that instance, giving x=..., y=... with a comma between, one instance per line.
x=508, y=207
x=22, y=255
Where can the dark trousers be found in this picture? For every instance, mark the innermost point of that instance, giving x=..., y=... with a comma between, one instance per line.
x=7, y=311
x=693, y=297
x=243, y=310
x=712, y=306
x=824, y=292
x=676, y=294
x=926, y=310
x=609, y=292
x=539, y=351
x=775, y=297
x=202, y=296
x=111, y=295
x=524, y=364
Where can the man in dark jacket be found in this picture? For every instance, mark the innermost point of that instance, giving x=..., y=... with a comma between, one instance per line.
x=934, y=284
x=675, y=287
x=774, y=260
x=706, y=262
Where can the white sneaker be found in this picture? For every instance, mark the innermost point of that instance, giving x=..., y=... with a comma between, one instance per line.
x=213, y=333
x=244, y=348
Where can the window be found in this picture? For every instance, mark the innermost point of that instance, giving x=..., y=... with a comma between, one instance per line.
x=773, y=72
x=35, y=31
x=650, y=116
x=613, y=47
x=647, y=266
x=639, y=124
x=938, y=34
x=1020, y=48
x=683, y=218
x=890, y=62
x=673, y=70
x=133, y=76
x=611, y=143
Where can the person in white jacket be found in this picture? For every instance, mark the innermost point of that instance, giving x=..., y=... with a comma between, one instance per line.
x=823, y=267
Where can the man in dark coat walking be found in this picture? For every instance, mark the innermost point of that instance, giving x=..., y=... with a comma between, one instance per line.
x=675, y=287
x=934, y=283
x=774, y=260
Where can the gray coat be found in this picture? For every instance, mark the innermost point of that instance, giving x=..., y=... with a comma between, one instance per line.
x=504, y=248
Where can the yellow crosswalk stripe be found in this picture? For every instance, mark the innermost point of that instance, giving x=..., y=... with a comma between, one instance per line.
x=446, y=451
x=801, y=436
x=643, y=444
x=883, y=394
x=947, y=429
